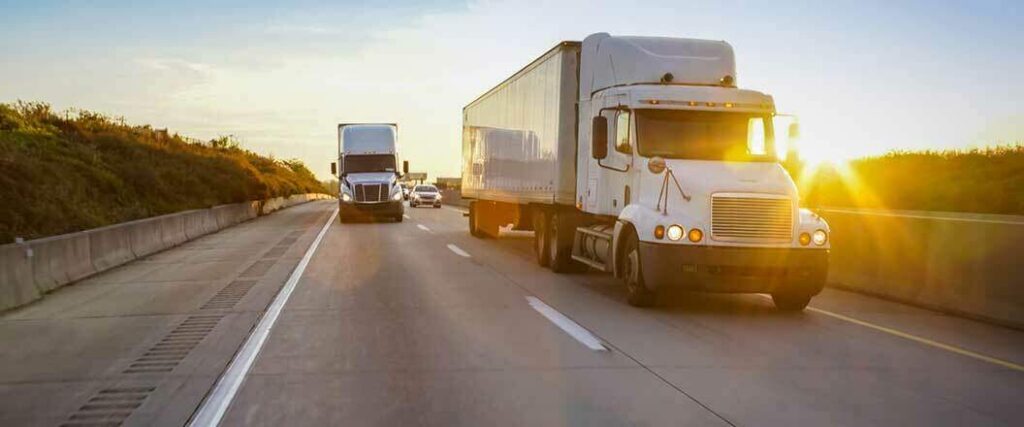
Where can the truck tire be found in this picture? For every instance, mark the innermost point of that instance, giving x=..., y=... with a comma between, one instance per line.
x=791, y=300
x=540, y=238
x=560, y=233
x=637, y=292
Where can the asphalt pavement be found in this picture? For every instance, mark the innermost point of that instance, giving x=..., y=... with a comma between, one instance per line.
x=418, y=323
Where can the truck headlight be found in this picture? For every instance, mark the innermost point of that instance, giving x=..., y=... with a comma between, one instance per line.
x=674, y=232
x=345, y=197
x=819, y=237
x=397, y=196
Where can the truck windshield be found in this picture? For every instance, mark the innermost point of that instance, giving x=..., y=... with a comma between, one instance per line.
x=704, y=135
x=369, y=163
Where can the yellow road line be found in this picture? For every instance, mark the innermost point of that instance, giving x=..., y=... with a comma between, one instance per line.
x=925, y=341
x=915, y=338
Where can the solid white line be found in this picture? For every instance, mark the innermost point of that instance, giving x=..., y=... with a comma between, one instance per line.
x=423, y=227
x=572, y=328
x=917, y=339
x=458, y=251
x=213, y=408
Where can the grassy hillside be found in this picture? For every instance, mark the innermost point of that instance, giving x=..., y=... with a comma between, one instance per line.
x=980, y=181
x=66, y=172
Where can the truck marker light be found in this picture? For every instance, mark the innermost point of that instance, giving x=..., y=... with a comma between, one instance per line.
x=819, y=237
x=659, y=232
x=675, y=232
x=710, y=104
x=695, y=235
x=728, y=105
x=692, y=103
x=805, y=239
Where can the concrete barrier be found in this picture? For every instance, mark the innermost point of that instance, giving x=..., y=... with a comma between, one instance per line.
x=454, y=198
x=271, y=205
x=59, y=260
x=109, y=247
x=963, y=264
x=16, y=285
x=172, y=229
x=197, y=223
x=145, y=236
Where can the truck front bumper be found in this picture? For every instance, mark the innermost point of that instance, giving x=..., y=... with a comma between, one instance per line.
x=734, y=270
x=371, y=210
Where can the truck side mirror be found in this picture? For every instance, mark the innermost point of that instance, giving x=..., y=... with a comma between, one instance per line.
x=599, y=138
x=405, y=167
x=334, y=168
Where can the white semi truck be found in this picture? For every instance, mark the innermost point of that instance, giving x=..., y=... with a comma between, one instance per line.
x=367, y=171
x=640, y=157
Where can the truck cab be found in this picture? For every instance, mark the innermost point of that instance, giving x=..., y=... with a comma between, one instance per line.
x=367, y=171
x=685, y=164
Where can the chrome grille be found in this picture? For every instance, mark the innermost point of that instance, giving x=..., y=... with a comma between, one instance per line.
x=753, y=218
x=371, y=192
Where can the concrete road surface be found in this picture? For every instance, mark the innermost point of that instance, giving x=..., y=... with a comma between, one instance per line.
x=417, y=323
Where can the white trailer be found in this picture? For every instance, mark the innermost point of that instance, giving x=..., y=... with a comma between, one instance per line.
x=367, y=171
x=640, y=157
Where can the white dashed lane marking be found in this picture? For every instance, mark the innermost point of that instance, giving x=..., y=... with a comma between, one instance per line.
x=458, y=251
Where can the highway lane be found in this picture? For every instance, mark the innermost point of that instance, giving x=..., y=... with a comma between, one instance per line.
x=419, y=323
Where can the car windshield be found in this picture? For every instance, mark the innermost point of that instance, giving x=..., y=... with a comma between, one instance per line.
x=704, y=135
x=369, y=163
x=426, y=189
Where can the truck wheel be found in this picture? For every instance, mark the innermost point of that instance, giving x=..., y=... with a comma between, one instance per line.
x=638, y=294
x=791, y=300
x=559, y=236
x=540, y=238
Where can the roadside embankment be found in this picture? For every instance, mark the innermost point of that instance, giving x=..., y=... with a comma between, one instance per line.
x=30, y=269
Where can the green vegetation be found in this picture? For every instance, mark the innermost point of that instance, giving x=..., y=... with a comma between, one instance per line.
x=980, y=181
x=72, y=171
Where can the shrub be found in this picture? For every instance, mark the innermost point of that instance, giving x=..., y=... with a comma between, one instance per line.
x=78, y=170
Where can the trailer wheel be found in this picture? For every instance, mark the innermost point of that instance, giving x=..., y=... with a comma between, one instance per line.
x=638, y=294
x=559, y=236
x=540, y=238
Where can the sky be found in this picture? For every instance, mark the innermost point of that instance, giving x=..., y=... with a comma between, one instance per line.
x=865, y=77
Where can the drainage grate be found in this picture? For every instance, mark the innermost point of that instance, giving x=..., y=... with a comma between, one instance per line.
x=258, y=269
x=109, y=407
x=165, y=355
x=229, y=296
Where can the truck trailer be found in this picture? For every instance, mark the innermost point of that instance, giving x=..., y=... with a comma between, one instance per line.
x=367, y=171
x=640, y=157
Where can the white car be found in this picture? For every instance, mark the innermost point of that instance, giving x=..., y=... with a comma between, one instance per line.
x=425, y=195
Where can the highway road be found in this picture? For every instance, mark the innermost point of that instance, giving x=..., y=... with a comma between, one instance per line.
x=417, y=323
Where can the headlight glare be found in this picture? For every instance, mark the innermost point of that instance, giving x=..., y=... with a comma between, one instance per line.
x=345, y=197
x=397, y=196
x=819, y=237
x=675, y=232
